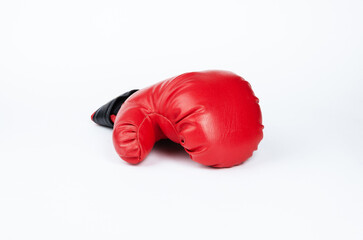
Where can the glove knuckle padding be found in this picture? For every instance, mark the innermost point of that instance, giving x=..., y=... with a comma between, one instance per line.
x=214, y=115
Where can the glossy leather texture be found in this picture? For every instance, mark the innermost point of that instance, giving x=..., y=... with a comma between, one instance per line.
x=214, y=115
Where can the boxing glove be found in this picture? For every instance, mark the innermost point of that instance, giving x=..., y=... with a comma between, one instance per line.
x=214, y=115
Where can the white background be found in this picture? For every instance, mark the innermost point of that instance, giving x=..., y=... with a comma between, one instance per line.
x=60, y=177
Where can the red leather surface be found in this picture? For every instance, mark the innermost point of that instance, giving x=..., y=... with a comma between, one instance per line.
x=214, y=115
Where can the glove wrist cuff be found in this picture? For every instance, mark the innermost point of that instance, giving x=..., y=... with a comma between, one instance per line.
x=104, y=116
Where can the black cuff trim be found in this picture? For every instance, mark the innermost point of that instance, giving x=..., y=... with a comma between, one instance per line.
x=103, y=114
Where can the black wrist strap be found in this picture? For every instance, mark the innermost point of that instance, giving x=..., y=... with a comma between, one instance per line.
x=103, y=115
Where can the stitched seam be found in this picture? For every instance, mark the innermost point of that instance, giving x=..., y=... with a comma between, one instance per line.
x=138, y=134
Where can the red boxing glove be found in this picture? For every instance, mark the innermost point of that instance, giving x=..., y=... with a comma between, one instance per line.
x=214, y=115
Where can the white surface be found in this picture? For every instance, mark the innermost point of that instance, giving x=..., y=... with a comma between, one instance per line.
x=60, y=177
